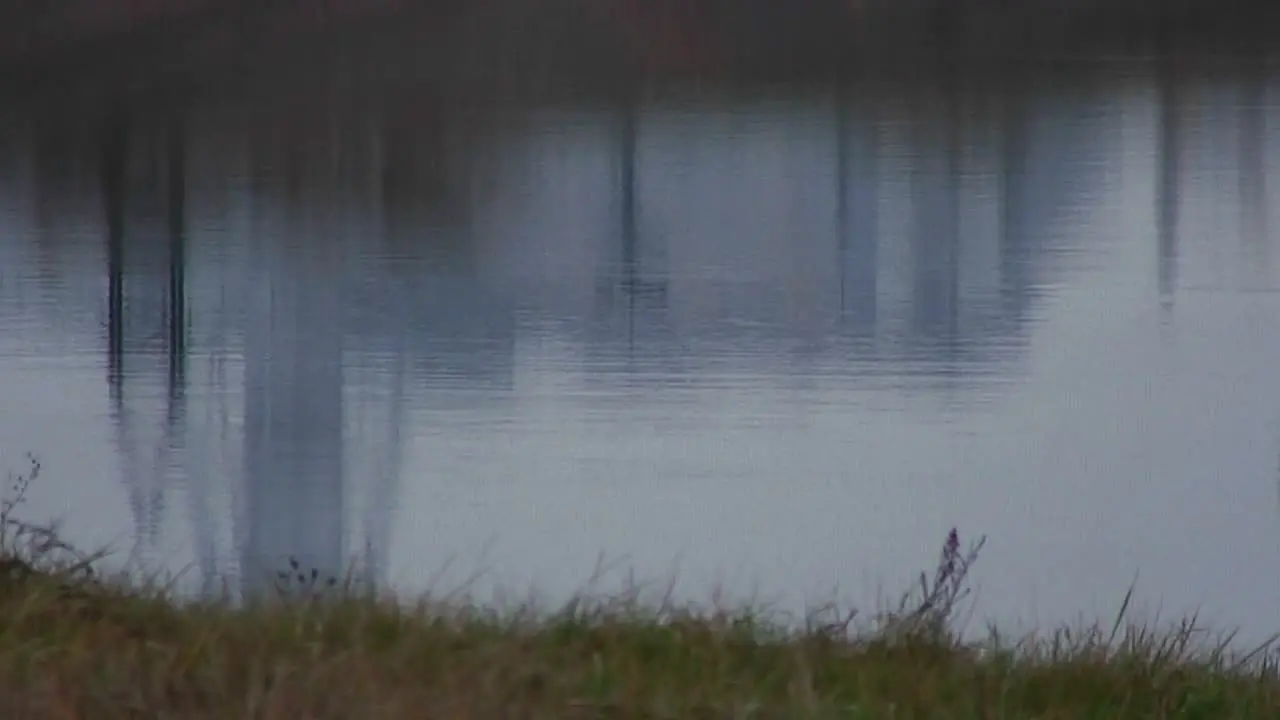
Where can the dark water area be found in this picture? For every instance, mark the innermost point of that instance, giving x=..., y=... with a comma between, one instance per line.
x=502, y=317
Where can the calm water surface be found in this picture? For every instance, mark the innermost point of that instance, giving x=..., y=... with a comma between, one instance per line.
x=776, y=342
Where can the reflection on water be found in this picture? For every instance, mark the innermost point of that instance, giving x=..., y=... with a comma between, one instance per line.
x=784, y=339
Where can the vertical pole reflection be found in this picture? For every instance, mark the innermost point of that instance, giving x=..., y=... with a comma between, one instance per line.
x=630, y=273
x=1253, y=173
x=144, y=481
x=856, y=216
x=176, y=397
x=1167, y=183
x=114, y=152
x=634, y=275
x=114, y=164
x=294, y=421
x=952, y=169
x=935, y=242
x=1015, y=231
x=177, y=309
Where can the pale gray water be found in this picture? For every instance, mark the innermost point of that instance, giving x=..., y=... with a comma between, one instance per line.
x=773, y=342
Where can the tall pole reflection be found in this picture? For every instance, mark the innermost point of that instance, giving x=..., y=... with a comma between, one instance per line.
x=176, y=201
x=630, y=275
x=952, y=169
x=387, y=289
x=1014, y=243
x=145, y=481
x=935, y=241
x=114, y=167
x=294, y=450
x=146, y=456
x=114, y=153
x=856, y=212
x=628, y=269
x=1167, y=183
x=176, y=182
x=1253, y=172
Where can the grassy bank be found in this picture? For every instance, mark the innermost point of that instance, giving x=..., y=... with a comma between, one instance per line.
x=74, y=645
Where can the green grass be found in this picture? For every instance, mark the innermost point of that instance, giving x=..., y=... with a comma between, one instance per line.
x=75, y=645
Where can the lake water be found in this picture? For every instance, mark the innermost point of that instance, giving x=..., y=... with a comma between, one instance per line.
x=776, y=341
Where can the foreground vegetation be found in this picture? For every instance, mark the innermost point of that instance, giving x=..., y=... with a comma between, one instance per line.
x=75, y=645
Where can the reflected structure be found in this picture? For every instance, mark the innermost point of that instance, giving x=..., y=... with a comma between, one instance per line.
x=143, y=191
x=857, y=208
x=1253, y=162
x=298, y=281
x=1168, y=149
x=308, y=293
x=935, y=234
x=631, y=277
